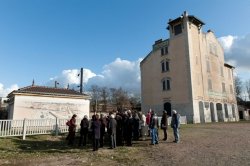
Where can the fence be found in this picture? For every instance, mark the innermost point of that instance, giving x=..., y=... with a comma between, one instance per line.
x=44, y=126
x=33, y=127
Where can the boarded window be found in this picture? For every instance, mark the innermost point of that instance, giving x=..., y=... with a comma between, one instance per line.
x=231, y=89
x=210, y=84
x=221, y=71
x=223, y=87
x=208, y=66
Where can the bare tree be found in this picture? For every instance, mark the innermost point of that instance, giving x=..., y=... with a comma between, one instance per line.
x=135, y=102
x=119, y=98
x=238, y=87
x=95, y=96
x=247, y=85
x=104, y=95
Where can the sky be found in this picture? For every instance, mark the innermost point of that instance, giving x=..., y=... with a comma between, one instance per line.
x=50, y=40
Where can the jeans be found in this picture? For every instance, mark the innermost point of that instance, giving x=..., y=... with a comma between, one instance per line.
x=113, y=141
x=176, y=134
x=154, y=136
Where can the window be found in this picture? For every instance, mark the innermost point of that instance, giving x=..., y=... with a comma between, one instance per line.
x=167, y=66
x=166, y=84
x=210, y=87
x=177, y=29
x=164, y=66
x=231, y=89
x=213, y=49
x=208, y=66
x=163, y=85
x=229, y=74
x=223, y=87
x=164, y=50
x=221, y=71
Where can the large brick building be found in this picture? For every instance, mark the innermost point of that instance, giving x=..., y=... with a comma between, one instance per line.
x=187, y=72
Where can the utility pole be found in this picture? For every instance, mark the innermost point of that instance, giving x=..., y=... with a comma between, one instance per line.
x=81, y=80
x=56, y=83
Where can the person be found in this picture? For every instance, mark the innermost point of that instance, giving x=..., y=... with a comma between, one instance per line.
x=72, y=130
x=175, y=124
x=96, y=129
x=119, y=129
x=112, y=131
x=129, y=129
x=148, y=118
x=154, y=128
x=143, y=127
x=164, y=124
x=136, y=122
x=84, y=131
x=103, y=129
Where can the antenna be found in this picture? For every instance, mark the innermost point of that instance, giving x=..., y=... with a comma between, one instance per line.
x=81, y=80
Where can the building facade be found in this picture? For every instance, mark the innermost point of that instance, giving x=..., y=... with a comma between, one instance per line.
x=187, y=72
x=38, y=102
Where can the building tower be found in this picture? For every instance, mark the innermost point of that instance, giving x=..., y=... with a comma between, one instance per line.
x=187, y=72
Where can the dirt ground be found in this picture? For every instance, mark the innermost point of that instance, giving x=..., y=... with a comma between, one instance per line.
x=207, y=144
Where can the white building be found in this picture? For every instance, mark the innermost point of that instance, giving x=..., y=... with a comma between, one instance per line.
x=38, y=102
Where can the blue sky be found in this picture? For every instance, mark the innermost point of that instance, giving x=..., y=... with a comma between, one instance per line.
x=50, y=39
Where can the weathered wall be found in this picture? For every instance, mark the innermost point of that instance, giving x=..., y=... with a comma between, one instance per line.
x=34, y=107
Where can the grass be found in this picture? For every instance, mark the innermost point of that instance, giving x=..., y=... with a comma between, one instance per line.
x=42, y=148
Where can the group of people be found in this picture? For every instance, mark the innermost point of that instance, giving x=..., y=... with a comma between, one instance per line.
x=152, y=122
x=122, y=128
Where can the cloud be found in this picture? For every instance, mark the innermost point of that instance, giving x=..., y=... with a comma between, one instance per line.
x=119, y=73
x=5, y=91
x=237, y=50
x=71, y=77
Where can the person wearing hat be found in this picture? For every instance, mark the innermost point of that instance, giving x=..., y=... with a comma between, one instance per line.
x=164, y=124
x=175, y=124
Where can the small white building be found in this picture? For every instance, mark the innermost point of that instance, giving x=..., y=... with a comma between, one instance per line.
x=39, y=102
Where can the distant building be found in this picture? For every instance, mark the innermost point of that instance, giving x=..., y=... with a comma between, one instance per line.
x=38, y=102
x=3, y=108
x=187, y=72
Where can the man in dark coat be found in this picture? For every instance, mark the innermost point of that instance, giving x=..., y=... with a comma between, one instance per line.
x=96, y=128
x=130, y=126
x=103, y=128
x=164, y=124
x=84, y=130
x=175, y=124
x=112, y=130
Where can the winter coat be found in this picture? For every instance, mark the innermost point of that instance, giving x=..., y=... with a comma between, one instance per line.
x=112, y=126
x=164, y=121
x=96, y=129
x=175, y=122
